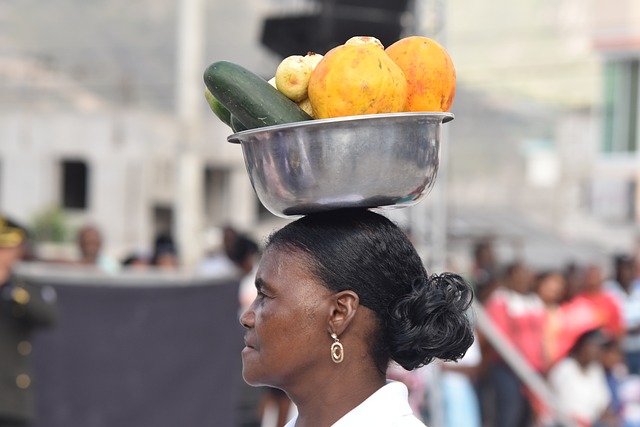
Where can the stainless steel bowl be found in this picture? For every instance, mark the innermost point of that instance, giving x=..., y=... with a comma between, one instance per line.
x=378, y=160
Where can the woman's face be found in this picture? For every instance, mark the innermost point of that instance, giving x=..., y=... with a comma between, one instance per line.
x=520, y=279
x=287, y=324
x=592, y=279
x=591, y=351
x=552, y=289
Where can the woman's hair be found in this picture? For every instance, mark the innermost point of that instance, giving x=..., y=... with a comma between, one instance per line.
x=543, y=275
x=421, y=317
x=594, y=334
x=163, y=245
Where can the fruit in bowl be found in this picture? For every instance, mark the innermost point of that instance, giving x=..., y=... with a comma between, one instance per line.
x=360, y=77
x=355, y=79
x=429, y=72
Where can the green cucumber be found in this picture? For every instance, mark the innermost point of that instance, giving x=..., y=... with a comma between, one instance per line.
x=249, y=97
x=237, y=125
x=217, y=108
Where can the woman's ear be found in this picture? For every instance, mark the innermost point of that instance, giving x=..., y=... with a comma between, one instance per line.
x=343, y=310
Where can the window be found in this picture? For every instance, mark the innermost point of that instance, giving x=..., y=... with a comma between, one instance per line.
x=217, y=183
x=613, y=200
x=162, y=219
x=620, y=122
x=75, y=176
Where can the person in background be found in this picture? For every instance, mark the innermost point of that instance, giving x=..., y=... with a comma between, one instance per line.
x=565, y=321
x=245, y=254
x=550, y=286
x=89, y=241
x=461, y=405
x=519, y=314
x=615, y=372
x=625, y=289
x=165, y=253
x=580, y=383
x=24, y=308
x=220, y=264
x=135, y=261
x=606, y=309
x=573, y=275
x=484, y=274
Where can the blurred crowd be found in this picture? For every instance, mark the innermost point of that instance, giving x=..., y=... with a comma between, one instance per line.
x=25, y=307
x=234, y=256
x=577, y=327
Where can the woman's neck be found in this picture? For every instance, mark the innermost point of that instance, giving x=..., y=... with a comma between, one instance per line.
x=333, y=397
x=583, y=362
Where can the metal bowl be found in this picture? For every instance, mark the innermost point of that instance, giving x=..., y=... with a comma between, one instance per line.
x=368, y=161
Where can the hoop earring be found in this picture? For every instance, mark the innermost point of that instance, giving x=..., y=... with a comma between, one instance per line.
x=337, y=351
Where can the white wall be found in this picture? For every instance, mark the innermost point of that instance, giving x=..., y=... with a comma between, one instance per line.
x=122, y=151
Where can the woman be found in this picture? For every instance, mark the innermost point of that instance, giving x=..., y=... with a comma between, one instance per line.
x=580, y=383
x=518, y=314
x=551, y=287
x=340, y=294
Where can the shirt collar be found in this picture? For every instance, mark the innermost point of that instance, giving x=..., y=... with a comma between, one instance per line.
x=384, y=406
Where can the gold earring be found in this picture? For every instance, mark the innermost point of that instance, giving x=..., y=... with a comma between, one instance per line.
x=337, y=351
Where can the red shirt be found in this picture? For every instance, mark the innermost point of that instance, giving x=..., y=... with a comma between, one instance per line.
x=572, y=319
x=608, y=313
x=521, y=319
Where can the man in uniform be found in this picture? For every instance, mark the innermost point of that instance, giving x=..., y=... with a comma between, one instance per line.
x=23, y=308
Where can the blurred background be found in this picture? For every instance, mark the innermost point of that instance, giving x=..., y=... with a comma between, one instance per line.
x=103, y=125
x=103, y=117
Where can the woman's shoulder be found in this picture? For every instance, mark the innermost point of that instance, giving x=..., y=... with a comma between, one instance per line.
x=562, y=367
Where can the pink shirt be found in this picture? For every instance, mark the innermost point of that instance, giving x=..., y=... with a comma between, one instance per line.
x=521, y=319
x=607, y=311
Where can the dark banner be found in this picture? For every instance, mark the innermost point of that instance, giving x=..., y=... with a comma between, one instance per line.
x=140, y=357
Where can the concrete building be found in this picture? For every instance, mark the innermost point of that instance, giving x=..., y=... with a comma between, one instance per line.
x=107, y=165
x=93, y=92
x=569, y=70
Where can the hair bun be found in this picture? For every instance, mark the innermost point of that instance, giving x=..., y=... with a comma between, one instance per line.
x=431, y=321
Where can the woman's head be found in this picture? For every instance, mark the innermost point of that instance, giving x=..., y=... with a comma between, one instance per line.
x=612, y=354
x=165, y=253
x=363, y=258
x=243, y=252
x=518, y=277
x=551, y=287
x=588, y=347
x=624, y=269
x=593, y=279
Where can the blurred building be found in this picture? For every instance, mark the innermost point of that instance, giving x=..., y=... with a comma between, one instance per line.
x=545, y=130
x=88, y=123
x=105, y=164
x=616, y=39
x=550, y=134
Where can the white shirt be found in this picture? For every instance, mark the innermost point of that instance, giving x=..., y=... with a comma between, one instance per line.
x=583, y=394
x=630, y=306
x=218, y=266
x=387, y=407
